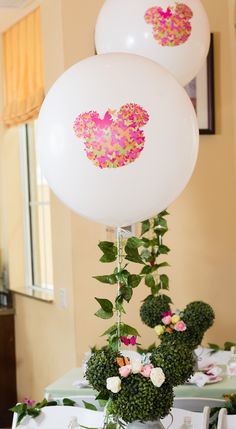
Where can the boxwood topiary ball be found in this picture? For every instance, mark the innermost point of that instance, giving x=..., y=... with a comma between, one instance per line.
x=152, y=309
x=199, y=315
x=100, y=366
x=176, y=360
x=140, y=400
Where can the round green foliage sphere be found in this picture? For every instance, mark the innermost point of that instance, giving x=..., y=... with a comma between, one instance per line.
x=199, y=316
x=152, y=309
x=176, y=360
x=100, y=366
x=140, y=400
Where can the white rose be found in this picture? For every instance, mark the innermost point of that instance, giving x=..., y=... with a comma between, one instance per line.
x=114, y=384
x=157, y=377
x=136, y=366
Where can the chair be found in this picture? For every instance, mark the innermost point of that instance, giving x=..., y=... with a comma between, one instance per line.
x=62, y=417
x=225, y=421
x=197, y=404
x=176, y=418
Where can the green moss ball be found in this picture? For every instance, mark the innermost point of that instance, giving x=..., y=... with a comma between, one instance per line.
x=176, y=360
x=199, y=316
x=100, y=366
x=140, y=400
x=152, y=309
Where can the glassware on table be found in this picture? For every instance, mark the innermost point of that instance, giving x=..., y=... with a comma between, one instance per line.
x=231, y=365
x=187, y=424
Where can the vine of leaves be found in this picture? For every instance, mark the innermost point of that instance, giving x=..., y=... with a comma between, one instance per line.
x=145, y=251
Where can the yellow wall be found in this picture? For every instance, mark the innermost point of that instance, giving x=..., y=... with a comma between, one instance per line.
x=50, y=340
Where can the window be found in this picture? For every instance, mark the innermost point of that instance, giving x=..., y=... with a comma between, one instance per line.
x=37, y=218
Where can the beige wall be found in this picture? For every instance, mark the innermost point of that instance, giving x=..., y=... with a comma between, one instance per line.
x=202, y=223
x=202, y=236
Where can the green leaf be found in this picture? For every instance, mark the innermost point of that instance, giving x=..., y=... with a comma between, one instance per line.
x=110, y=331
x=134, y=242
x=69, y=402
x=111, y=257
x=106, y=246
x=108, y=279
x=110, y=251
x=145, y=226
x=133, y=255
x=119, y=305
x=214, y=346
x=128, y=330
x=164, y=281
x=149, y=280
x=105, y=304
x=104, y=314
x=164, y=213
x=146, y=255
x=122, y=277
x=146, y=270
x=102, y=396
x=163, y=250
x=89, y=406
x=134, y=280
x=155, y=289
x=126, y=293
x=228, y=345
x=163, y=264
x=162, y=224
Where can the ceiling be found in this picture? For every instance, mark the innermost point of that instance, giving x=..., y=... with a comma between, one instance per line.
x=14, y=11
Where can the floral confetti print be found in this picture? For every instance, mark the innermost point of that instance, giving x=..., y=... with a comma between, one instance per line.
x=116, y=140
x=171, y=27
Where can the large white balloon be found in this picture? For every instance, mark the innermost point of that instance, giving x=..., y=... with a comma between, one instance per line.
x=117, y=138
x=174, y=33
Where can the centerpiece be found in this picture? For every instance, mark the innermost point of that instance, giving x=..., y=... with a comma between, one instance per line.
x=138, y=388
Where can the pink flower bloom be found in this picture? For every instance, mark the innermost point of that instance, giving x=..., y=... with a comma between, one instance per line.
x=29, y=402
x=166, y=320
x=125, y=370
x=180, y=326
x=167, y=313
x=146, y=371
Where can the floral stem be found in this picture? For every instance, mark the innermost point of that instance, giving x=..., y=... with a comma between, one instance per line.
x=119, y=263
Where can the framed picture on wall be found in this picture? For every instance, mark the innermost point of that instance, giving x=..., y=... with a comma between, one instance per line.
x=201, y=93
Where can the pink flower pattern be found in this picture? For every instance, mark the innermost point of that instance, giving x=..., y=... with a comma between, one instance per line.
x=116, y=140
x=171, y=27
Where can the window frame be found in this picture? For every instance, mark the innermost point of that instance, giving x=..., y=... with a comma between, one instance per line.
x=46, y=292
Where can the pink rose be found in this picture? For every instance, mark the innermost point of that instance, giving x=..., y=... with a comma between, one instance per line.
x=166, y=320
x=180, y=326
x=146, y=371
x=125, y=370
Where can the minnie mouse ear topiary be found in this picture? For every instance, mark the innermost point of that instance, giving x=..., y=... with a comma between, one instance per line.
x=177, y=361
x=151, y=311
x=100, y=366
x=140, y=400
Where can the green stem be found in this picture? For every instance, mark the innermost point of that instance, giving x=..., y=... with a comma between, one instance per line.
x=119, y=263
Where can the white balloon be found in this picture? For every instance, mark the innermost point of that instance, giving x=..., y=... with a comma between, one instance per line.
x=117, y=138
x=174, y=33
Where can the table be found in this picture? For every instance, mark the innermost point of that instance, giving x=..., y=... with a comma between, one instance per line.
x=63, y=387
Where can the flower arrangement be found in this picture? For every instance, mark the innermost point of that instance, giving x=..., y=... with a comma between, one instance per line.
x=132, y=386
x=190, y=327
x=170, y=322
x=140, y=387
